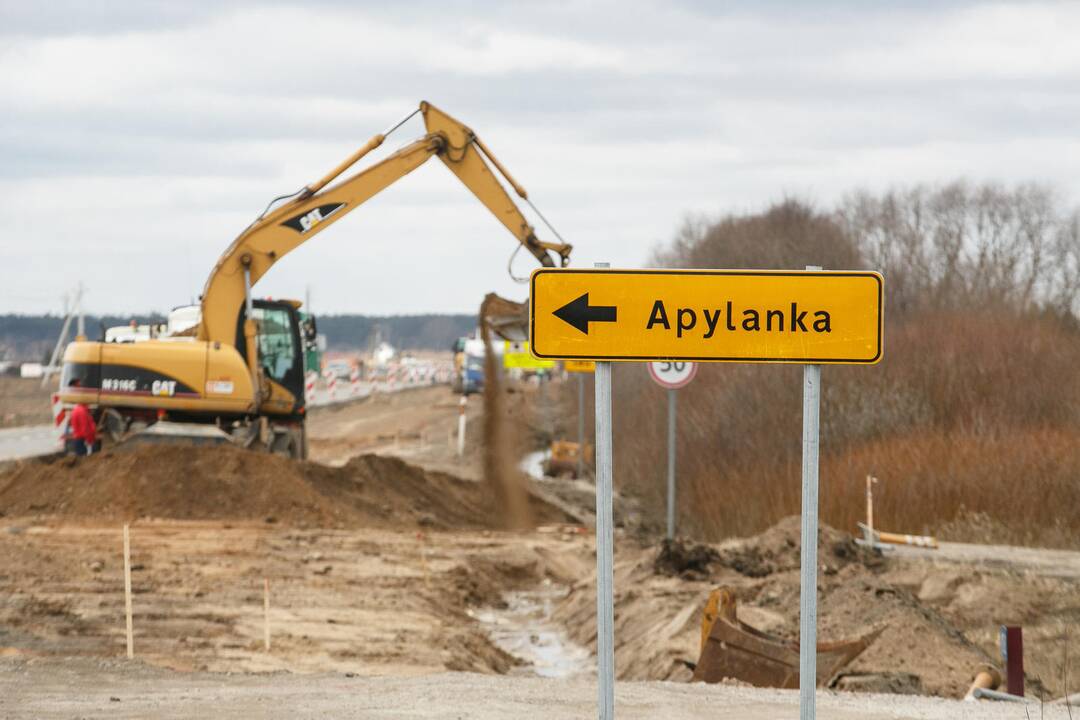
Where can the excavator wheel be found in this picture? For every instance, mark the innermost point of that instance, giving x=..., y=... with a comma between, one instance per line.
x=282, y=445
x=290, y=443
x=115, y=425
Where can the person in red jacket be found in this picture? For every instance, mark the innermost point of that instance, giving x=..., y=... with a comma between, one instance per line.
x=82, y=430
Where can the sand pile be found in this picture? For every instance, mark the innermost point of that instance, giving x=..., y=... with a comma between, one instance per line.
x=661, y=591
x=778, y=549
x=228, y=483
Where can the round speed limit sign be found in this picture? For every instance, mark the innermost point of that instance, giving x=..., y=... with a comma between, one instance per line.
x=672, y=374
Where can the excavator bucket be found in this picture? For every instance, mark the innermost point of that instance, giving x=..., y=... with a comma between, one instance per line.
x=732, y=649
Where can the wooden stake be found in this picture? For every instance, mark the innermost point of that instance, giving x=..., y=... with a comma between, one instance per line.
x=870, y=480
x=423, y=559
x=266, y=614
x=127, y=592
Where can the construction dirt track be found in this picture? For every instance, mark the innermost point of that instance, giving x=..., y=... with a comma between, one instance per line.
x=386, y=559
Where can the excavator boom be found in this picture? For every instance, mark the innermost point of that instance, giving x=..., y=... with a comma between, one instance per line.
x=281, y=230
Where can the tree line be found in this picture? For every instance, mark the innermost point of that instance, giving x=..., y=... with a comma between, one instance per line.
x=30, y=338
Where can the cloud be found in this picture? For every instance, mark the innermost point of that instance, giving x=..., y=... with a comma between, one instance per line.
x=140, y=138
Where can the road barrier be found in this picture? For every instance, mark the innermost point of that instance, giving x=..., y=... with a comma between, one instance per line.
x=393, y=378
x=58, y=411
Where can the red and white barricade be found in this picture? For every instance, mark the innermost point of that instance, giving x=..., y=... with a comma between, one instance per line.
x=59, y=412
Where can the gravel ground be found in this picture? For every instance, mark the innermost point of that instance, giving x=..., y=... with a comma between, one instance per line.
x=86, y=688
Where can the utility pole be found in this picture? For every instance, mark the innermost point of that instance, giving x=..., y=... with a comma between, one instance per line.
x=62, y=339
x=81, y=334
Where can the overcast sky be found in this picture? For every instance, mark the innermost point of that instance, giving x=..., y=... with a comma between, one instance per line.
x=139, y=138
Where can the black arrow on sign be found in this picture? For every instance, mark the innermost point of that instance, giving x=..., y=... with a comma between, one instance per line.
x=579, y=313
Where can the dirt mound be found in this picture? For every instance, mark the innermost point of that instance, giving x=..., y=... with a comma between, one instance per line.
x=659, y=598
x=389, y=486
x=228, y=483
x=680, y=558
x=778, y=549
x=917, y=639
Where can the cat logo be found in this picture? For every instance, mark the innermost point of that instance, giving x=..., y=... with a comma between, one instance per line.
x=310, y=220
x=163, y=388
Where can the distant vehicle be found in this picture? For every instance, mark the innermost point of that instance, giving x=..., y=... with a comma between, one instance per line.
x=184, y=320
x=472, y=380
x=341, y=369
x=468, y=366
x=383, y=354
x=127, y=333
x=181, y=325
x=31, y=370
x=562, y=460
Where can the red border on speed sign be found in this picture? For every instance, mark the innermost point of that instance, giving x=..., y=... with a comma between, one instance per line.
x=669, y=385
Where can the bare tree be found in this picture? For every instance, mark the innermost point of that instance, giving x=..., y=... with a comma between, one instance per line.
x=960, y=245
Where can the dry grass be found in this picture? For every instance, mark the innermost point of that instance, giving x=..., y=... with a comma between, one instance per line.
x=1021, y=488
x=972, y=420
x=24, y=402
x=982, y=440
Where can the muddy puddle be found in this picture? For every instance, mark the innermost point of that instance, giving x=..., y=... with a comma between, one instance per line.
x=525, y=630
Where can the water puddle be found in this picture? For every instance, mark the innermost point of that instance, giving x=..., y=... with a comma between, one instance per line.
x=524, y=629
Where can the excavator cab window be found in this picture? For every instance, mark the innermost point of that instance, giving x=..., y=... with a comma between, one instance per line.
x=277, y=352
x=278, y=340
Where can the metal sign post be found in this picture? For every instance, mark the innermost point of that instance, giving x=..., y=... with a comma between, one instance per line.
x=605, y=541
x=671, y=406
x=581, y=425
x=580, y=368
x=808, y=556
x=672, y=375
x=808, y=559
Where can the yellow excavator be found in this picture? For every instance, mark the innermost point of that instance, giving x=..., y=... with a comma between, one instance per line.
x=238, y=375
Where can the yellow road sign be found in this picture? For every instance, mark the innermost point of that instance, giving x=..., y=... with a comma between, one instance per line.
x=813, y=317
x=517, y=355
x=580, y=366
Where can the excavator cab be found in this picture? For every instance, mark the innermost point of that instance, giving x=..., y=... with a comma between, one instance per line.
x=280, y=346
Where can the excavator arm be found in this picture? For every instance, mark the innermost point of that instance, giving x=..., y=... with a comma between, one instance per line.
x=316, y=207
